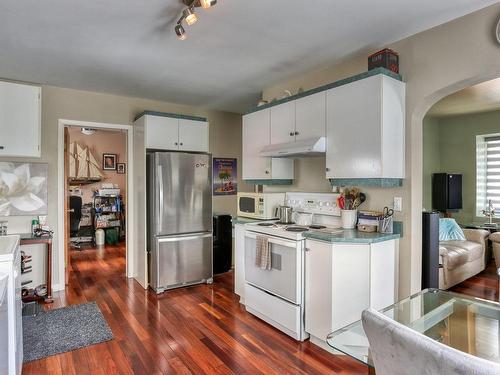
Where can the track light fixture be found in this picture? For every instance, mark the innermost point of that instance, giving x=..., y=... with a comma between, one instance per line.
x=181, y=33
x=189, y=15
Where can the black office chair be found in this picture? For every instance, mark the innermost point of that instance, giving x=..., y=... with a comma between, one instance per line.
x=75, y=214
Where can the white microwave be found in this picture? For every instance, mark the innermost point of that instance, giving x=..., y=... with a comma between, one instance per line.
x=259, y=205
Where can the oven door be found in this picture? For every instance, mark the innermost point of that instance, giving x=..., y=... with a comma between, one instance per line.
x=285, y=278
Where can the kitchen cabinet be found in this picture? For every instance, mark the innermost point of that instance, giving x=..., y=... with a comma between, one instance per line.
x=310, y=116
x=283, y=123
x=343, y=279
x=20, y=120
x=365, y=129
x=239, y=261
x=171, y=133
x=256, y=135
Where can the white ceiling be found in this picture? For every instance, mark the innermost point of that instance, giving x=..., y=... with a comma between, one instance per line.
x=236, y=49
x=478, y=98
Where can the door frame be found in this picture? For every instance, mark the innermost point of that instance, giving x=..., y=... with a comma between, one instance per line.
x=61, y=214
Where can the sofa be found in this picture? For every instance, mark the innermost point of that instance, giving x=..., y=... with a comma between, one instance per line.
x=460, y=260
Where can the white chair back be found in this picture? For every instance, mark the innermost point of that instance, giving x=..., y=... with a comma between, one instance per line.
x=397, y=349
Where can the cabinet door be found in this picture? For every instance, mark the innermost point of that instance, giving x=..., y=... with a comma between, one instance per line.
x=383, y=274
x=256, y=133
x=283, y=123
x=19, y=120
x=318, y=289
x=310, y=116
x=193, y=135
x=354, y=144
x=239, y=262
x=162, y=133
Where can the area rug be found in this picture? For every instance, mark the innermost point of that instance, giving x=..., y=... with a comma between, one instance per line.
x=62, y=330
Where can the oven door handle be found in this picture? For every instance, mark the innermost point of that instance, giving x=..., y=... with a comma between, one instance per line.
x=274, y=240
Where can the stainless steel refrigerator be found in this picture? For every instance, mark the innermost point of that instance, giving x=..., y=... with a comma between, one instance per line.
x=179, y=217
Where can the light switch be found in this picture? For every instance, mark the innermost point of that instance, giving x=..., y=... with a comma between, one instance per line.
x=398, y=204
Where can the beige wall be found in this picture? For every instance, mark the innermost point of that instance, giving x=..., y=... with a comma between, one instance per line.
x=432, y=159
x=103, y=141
x=60, y=103
x=456, y=151
x=434, y=63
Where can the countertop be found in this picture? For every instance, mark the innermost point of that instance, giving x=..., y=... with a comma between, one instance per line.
x=8, y=245
x=351, y=236
x=245, y=220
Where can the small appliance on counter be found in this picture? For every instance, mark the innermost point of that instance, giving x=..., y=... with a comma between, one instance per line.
x=259, y=205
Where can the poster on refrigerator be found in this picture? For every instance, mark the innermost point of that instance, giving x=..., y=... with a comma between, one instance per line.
x=225, y=179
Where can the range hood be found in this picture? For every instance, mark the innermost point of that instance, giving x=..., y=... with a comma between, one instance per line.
x=302, y=148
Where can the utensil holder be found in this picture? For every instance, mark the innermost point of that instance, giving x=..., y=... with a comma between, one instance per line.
x=386, y=225
x=349, y=218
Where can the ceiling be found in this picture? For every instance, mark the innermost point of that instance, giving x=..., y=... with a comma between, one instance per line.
x=237, y=48
x=479, y=98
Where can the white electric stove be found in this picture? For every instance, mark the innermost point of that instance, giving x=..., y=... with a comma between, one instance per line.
x=277, y=295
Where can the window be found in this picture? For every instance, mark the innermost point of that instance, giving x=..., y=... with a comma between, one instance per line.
x=487, y=171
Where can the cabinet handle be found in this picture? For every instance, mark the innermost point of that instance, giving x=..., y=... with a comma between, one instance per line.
x=267, y=172
x=182, y=143
x=176, y=143
x=1, y=147
x=307, y=249
x=328, y=169
x=291, y=134
x=296, y=133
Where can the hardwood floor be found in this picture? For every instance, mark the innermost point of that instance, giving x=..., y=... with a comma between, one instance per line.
x=202, y=329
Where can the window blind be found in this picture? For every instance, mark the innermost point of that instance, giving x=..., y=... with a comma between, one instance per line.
x=493, y=170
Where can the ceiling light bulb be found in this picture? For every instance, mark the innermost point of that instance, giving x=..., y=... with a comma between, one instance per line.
x=208, y=3
x=181, y=33
x=189, y=16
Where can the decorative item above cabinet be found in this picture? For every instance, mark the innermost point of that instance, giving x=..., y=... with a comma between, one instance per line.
x=20, y=120
x=166, y=131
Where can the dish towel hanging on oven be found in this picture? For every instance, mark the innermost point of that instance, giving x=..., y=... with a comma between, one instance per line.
x=262, y=253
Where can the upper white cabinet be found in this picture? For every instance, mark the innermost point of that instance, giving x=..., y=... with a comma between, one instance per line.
x=365, y=129
x=256, y=134
x=299, y=119
x=283, y=123
x=310, y=116
x=20, y=120
x=170, y=133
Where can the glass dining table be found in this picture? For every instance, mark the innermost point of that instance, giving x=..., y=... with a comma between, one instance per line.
x=465, y=323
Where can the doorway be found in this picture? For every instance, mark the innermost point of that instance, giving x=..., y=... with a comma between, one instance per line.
x=95, y=198
x=96, y=188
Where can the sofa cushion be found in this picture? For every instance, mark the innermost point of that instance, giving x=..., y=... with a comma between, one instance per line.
x=457, y=253
x=449, y=230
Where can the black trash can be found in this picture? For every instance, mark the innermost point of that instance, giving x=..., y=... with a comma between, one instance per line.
x=223, y=243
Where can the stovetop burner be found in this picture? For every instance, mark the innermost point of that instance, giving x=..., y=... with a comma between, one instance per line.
x=283, y=223
x=296, y=229
x=317, y=227
x=265, y=224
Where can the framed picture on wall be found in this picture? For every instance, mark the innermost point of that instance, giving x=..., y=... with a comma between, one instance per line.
x=120, y=168
x=109, y=162
x=225, y=181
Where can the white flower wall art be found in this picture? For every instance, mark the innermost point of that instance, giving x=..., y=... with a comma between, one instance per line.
x=23, y=189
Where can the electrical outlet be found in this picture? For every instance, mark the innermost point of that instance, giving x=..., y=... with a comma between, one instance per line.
x=398, y=204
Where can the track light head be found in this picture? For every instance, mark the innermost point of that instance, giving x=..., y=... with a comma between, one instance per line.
x=181, y=33
x=207, y=3
x=189, y=16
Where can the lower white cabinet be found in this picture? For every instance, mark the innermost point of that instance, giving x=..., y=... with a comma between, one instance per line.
x=343, y=279
x=239, y=261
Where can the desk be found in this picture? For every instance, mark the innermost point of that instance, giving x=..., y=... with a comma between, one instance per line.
x=29, y=239
x=453, y=319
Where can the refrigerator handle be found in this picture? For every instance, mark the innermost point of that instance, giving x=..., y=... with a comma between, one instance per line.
x=159, y=178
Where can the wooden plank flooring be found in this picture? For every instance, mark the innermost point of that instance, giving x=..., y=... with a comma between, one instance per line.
x=202, y=329
x=484, y=285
